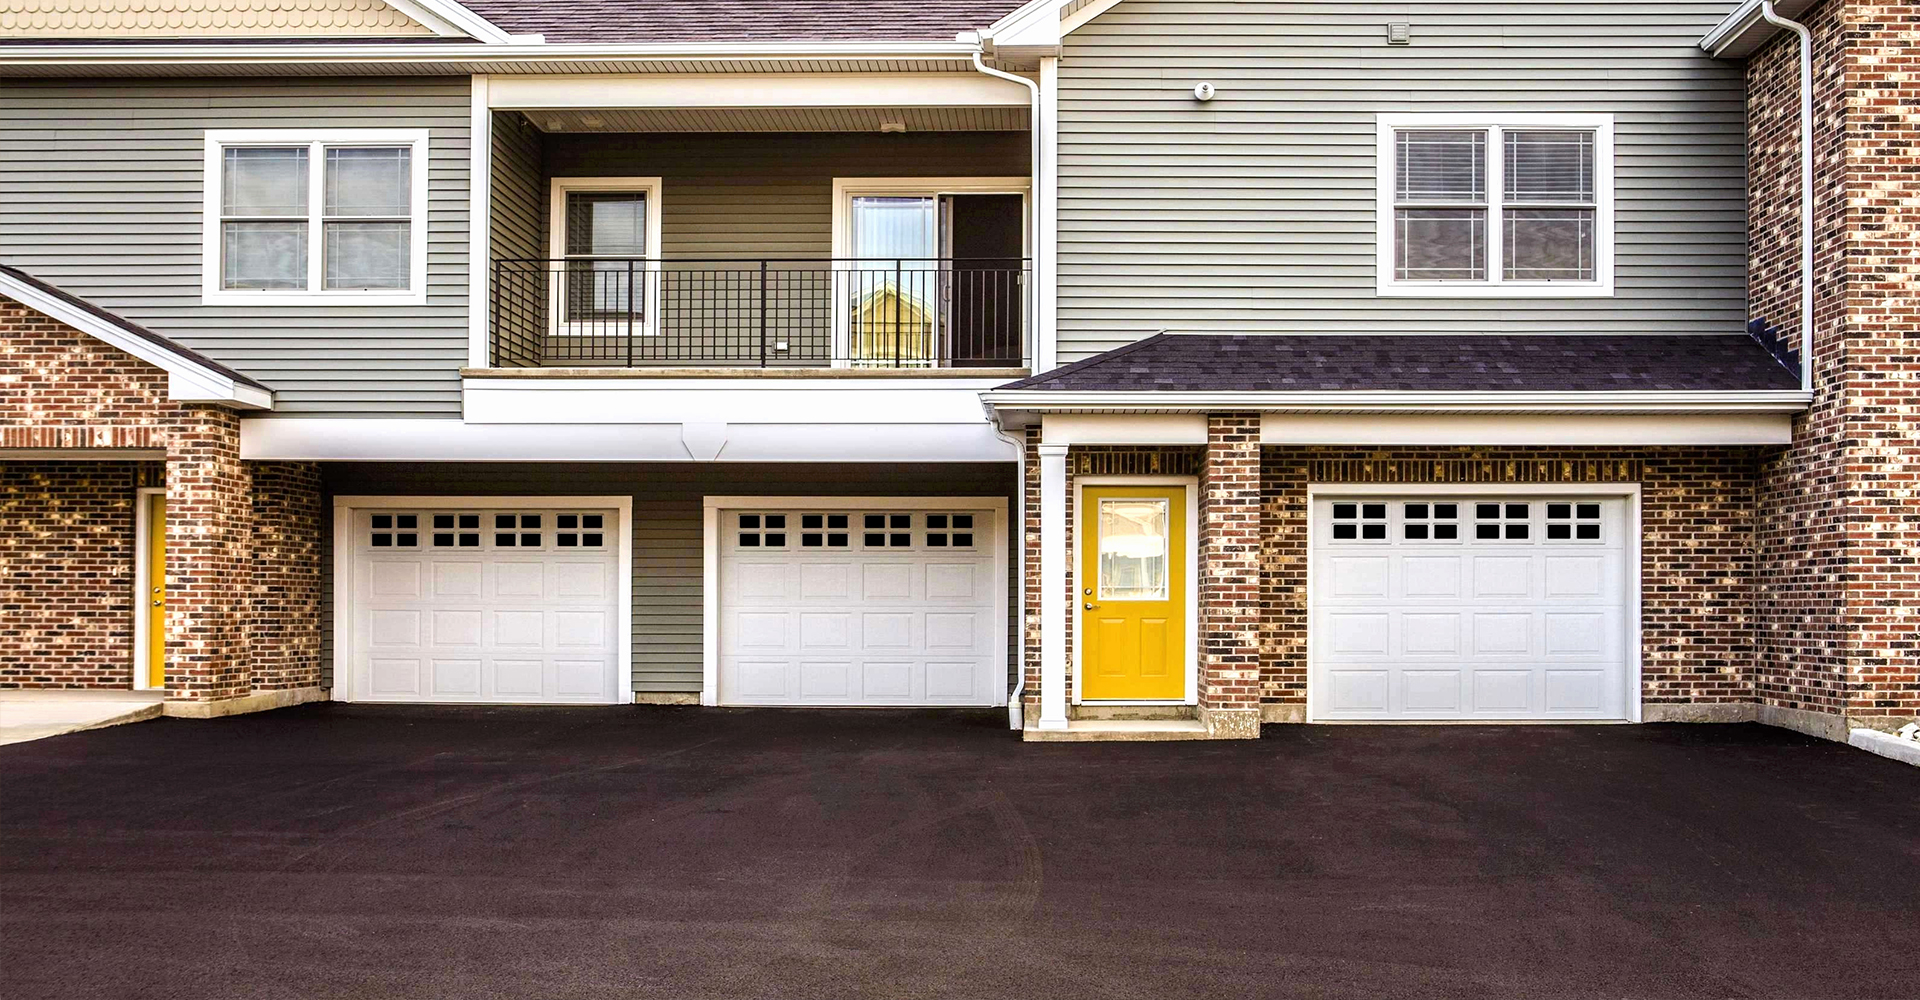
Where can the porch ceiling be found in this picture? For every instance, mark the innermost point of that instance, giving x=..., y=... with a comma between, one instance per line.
x=942, y=119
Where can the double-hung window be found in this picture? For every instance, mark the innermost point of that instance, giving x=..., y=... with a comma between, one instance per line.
x=323, y=216
x=1517, y=206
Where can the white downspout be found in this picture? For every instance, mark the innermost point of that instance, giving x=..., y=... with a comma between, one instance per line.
x=1806, y=187
x=1034, y=174
x=1016, y=711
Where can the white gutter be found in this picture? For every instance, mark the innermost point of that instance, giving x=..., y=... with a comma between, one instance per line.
x=1737, y=401
x=1806, y=187
x=84, y=55
x=1041, y=286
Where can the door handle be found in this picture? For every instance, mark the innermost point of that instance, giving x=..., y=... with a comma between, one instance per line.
x=1090, y=607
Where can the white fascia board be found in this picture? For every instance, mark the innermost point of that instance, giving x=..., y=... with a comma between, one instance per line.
x=376, y=440
x=1742, y=32
x=188, y=381
x=448, y=18
x=1538, y=429
x=872, y=402
x=80, y=56
x=754, y=90
x=1775, y=400
x=1124, y=428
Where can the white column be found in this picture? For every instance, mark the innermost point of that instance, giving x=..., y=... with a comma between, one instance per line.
x=1046, y=256
x=1053, y=586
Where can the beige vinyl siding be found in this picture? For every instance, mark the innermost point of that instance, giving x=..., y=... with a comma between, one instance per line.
x=101, y=194
x=1256, y=212
x=668, y=515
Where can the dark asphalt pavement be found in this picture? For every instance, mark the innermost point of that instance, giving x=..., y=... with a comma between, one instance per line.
x=358, y=851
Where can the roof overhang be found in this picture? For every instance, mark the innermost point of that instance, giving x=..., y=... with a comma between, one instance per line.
x=1038, y=26
x=1744, y=31
x=1017, y=407
x=189, y=380
x=448, y=58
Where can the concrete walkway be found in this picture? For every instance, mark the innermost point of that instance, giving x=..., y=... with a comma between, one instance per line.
x=32, y=715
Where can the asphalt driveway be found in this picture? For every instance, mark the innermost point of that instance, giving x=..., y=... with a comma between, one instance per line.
x=357, y=851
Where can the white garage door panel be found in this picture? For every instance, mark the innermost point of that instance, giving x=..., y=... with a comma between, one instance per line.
x=818, y=608
x=1433, y=607
x=510, y=606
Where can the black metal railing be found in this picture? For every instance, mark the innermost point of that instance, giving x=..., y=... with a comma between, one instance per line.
x=638, y=312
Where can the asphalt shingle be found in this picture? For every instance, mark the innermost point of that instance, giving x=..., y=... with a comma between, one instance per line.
x=741, y=20
x=1469, y=363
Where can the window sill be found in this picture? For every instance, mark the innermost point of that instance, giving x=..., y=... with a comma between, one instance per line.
x=213, y=297
x=1405, y=290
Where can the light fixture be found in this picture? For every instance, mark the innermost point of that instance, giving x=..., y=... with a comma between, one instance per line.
x=592, y=121
x=893, y=126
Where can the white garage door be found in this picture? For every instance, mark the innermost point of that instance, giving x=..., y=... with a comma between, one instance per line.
x=840, y=606
x=501, y=605
x=1509, y=607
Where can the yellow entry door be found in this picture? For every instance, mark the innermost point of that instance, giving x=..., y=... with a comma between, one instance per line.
x=1133, y=593
x=156, y=556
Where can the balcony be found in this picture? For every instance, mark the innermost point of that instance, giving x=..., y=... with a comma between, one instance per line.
x=792, y=313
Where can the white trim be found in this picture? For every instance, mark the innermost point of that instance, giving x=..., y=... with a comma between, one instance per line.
x=1494, y=123
x=317, y=140
x=142, y=587
x=557, y=190
x=1190, y=484
x=1073, y=21
x=188, y=381
x=712, y=505
x=1046, y=263
x=1124, y=428
x=343, y=549
x=1542, y=429
x=535, y=93
x=480, y=226
x=1630, y=492
x=675, y=440
x=845, y=189
x=1744, y=30
x=448, y=18
x=1376, y=401
x=77, y=58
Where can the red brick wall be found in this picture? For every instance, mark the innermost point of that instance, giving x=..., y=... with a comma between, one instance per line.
x=67, y=574
x=243, y=562
x=1836, y=627
x=1230, y=605
x=1697, y=581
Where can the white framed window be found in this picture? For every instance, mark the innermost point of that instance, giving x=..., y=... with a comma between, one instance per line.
x=930, y=271
x=316, y=216
x=1496, y=205
x=606, y=232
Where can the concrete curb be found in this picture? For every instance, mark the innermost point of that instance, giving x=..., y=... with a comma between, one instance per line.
x=24, y=734
x=1886, y=745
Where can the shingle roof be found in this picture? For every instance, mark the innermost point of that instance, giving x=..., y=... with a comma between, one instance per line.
x=741, y=20
x=1439, y=363
x=127, y=326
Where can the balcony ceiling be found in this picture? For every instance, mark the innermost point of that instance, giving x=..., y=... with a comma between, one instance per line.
x=997, y=119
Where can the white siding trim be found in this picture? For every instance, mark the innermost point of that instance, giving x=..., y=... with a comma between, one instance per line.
x=1494, y=287
x=480, y=227
x=211, y=292
x=757, y=90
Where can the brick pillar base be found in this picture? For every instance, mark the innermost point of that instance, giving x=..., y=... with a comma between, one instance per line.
x=1230, y=607
x=209, y=531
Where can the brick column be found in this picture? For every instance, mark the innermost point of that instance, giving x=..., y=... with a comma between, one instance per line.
x=284, y=603
x=209, y=532
x=1230, y=606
